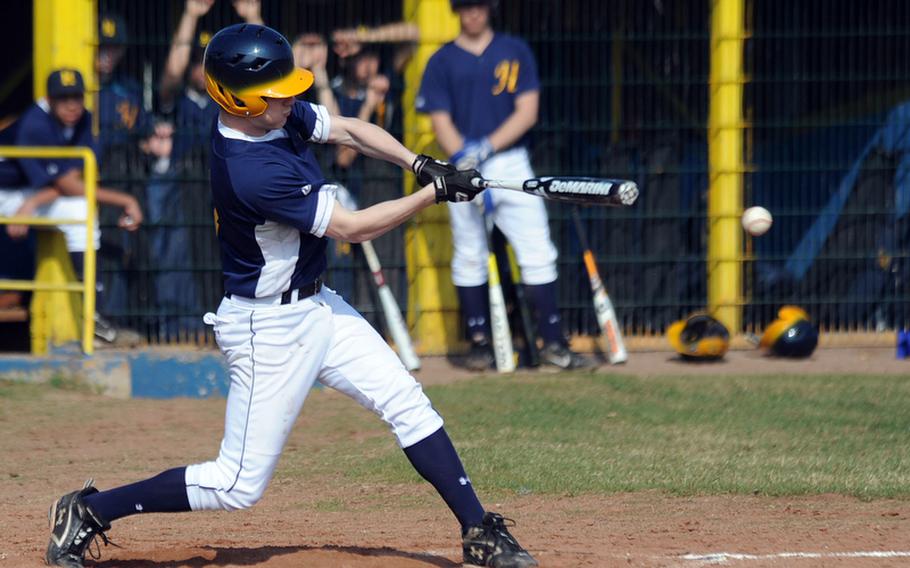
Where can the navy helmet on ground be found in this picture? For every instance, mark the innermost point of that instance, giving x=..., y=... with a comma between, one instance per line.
x=790, y=335
x=699, y=337
x=246, y=62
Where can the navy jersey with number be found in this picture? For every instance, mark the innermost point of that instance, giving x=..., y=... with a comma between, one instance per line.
x=478, y=91
x=37, y=127
x=272, y=204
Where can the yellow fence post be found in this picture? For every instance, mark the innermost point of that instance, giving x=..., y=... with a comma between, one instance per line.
x=725, y=163
x=432, y=305
x=66, y=35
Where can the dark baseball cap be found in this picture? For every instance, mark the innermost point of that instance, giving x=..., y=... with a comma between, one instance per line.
x=65, y=83
x=111, y=30
x=197, y=53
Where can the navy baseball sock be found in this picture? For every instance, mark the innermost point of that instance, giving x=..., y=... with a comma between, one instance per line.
x=164, y=493
x=475, y=305
x=543, y=297
x=436, y=460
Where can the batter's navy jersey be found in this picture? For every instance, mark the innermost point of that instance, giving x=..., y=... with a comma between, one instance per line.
x=478, y=91
x=272, y=205
x=37, y=127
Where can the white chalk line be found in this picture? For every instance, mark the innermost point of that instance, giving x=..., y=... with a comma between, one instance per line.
x=724, y=557
x=718, y=558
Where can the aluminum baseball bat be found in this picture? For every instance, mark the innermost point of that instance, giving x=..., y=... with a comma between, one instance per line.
x=603, y=306
x=573, y=189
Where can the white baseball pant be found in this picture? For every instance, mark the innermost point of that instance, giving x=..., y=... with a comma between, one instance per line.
x=521, y=217
x=63, y=207
x=275, y=353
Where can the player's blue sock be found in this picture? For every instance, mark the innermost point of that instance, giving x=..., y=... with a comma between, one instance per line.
x=475, y=305
x=543, y=298
x=164, y=493
x=436, y=460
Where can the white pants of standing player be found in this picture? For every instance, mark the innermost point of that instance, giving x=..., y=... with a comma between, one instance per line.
x=61, y=208
x=275, y=353
x=521, y=217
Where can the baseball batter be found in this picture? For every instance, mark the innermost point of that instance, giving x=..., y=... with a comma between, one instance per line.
x=482, y=94
x=278, y=326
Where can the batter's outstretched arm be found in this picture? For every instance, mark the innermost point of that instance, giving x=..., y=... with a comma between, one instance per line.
x=367, y=224
x=370, y=140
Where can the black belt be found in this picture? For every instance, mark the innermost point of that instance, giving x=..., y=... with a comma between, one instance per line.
x=304, y=291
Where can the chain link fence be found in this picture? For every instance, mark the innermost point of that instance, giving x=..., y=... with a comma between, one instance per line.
x=625, y=94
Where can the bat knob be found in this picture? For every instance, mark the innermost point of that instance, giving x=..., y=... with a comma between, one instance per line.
x=478, y=182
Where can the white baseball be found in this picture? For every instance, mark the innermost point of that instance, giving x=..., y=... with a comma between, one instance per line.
x=756, y=221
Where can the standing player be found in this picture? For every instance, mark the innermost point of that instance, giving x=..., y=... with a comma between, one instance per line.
x=482, y=94
x=279, y=328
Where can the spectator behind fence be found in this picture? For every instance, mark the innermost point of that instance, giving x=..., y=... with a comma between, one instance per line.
x=361, y=91
x=173, y=289
x=855, y=248
x=120, y=113
x=193, y=111
x=54, y=187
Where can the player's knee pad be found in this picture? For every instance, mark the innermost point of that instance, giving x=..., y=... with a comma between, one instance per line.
x=221, y=485
x=469, y=270
x=409, y=414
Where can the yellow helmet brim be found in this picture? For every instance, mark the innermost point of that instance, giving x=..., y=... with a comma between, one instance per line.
x=249, y=101
x=290, y=85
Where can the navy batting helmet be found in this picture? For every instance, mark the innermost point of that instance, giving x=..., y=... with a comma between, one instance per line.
x=699, y=337
x=246, y=62
x=790, y=335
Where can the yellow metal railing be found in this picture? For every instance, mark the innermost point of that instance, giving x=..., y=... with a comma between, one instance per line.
x=87, y=286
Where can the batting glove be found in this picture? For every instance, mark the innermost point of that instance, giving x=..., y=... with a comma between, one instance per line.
x=474, y=153
x=427, y=169
x=458, y=186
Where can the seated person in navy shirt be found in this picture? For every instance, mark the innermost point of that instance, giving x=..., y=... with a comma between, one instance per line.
x=54, y=187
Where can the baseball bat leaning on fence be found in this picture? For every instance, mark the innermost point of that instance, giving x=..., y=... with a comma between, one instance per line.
x=499, y=319
x=580, y=190
x=603, y=307
x=516, y=302
x=390, y=310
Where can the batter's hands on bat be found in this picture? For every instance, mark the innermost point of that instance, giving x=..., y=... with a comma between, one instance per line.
x=427, y=169
x=457, y=186
x=473, y=153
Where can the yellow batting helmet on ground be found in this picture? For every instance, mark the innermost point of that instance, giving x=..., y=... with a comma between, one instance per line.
x=245, y=62
x=699, y=337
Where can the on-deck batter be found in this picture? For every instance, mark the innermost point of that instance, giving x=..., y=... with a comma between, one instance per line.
x=278, y=326
x=482, y=93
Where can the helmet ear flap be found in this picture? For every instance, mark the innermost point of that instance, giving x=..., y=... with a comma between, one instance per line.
x=231, y=102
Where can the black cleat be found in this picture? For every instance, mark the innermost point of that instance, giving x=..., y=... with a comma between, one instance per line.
x=491, y=544
x=559, y=355
x=74, y=525
x=480, y=357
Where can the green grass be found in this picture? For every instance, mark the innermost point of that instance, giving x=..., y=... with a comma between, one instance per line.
x=579, y=433
x=571, y=434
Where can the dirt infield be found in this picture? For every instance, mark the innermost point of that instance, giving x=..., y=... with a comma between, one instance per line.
x=320, y=520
